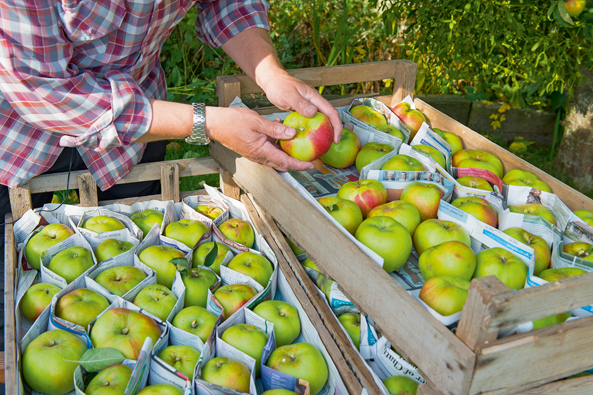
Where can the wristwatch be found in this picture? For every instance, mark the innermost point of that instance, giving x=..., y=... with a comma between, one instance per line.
x=198, y=131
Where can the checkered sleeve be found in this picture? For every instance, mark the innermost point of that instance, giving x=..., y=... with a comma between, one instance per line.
x=220, y=20
x=50, y=93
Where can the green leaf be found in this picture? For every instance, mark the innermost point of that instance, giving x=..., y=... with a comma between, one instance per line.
x=588, y=32
x=96, y=359
x=181, y=264
x=333, y=207
x=563, y=13
x=211, y=257
x=552, y=9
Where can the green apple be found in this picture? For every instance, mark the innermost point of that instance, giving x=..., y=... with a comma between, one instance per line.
x=197, y=282
x=478, y=208
x=403, y=212
x=161, y=389
x=47, y=363
x=37, y=298
x=388, y=238
x=536, y=209
x=187, y=231
x=551, y=320
x=249, y=339
x=585, y=215
x=310, y=264
x=542, y=254
x=103, y=223
x=452, y=139
x=253, y=265
x=351, y=322
x=287, y=325
x=475, y=182
x=433, y=153
x=400, y=385
x=279, y=391
x=156, y=299
x=120, y=279
x=195, y=320
x=392, y=130
x=367, y=194
x=239, y=231
x=71, y=263
x=346, y=212
x=125, y=330
x=325, y=285
x=451, y=258
x=343, y=154
x=552, y=275
x=426, y=197
x=110, y=248
x=296, y=249
x=146, y=219
x=477, y=159
x=182, y=358
x=368, y=115
x=579, y=249
x=525, y=179
x=234, y=296
x=81, y=306
x=403, y=162
x=445, y=294
x=303, y=361
x=435, y=231
x=313, y=137
x=209, y=211
x=370, y=152
x=47, y=237
x=110, y=381
x=503, y=264
x=158, y=258
x=413, y=119
x=228, y=373
x=202, y=252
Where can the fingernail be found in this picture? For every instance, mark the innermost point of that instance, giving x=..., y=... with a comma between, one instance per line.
x=289, y=132
x=311, y=110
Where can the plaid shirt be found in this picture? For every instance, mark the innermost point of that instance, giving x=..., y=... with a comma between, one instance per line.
x=80, y=72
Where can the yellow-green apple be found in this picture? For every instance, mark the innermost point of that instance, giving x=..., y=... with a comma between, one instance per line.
x=71, y=263
x=325, y=285
x=197, y=281
x=296, y=249
x=392, y=130
x=228, y=373
x=183, y=358
x=503, y=264
x=279, y=391
x=287, y=325
x=234, y=296
x=303, y=361
x=200, y=254
x=451, y=138
x=435, y=231
x=37, y=298
x=370, y=152
x=445, y=294
x=195, y=320
x=451, y=258
x=249, y=339
x=403, y=162
x=551, y=275
x=146, y=219
x=110, y=248
x=579, y=249
x=120, y=279
x=158, y=258
x=344, y=153
x=367, y=194
x=157, y=300
x=110, y=381
x=125, y=330
x=551, y=320
x=400, y=385
x=403, y=212
x=253, y=265
x=351, y=322
x=188, y=231
x=81, y=306
x=312, y=139
x=161, y=389
x=425, y=197
x=388, y=238
x=368, y=115
x=525, y=179
x=209, y=211
x=103, y=223
x=542, y=254
x=48, y=362
x=239, y=231
x=475, y=182
x=346, y=212
x=47, y=237
x=478, y=160
x=433, y=153
x=478, y=208
x=585, y=215
x=574, y=7
x=412, y=118
x=539, y=210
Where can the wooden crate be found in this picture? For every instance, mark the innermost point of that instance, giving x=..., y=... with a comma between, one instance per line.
x=169, y=173
x=473, y=360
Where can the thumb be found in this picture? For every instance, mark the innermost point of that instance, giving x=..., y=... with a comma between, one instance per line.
x=276, y=130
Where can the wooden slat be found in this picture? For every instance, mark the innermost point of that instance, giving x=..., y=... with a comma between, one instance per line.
x=405, y=323
x=20, y=200
x=10, y=262
x=130, y=201
x=170, y=181
x=404, y=81
x=87, y=190
x=228, y=186
x=576, y=386
x=334, y=102
x=227, y=88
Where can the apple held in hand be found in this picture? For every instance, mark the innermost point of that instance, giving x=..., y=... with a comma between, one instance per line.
x=234, y=296
x=367, y=194
x=552, y=275
x=202, y=252
x=585, y=215
x=81, y=306
x=120, y=279
x=158, y=258
x=403, y=212
x=344, y=153
x=478, y=160
x=161, y=389
x=146, y=219
x=397, y=385
x=542, y=254
x=37, y=298
x=392, y=130
x=183, y=358
x=579, y=249
x=197, y=281
x=538, y=210
x=525, y=179
x=253, y=265
x=103, y=223
x=445, y=294
x=71, y=263
x=433, y=153
x=351, y=322
x=412, y=118
x=249, y=339
x=313, y=136
x=47, y=237
x=388, y=238
x=239, y=231
x=209, y=211
x=425, y=197
x=475, y=182
x=187, y=231
x=287, y=325
x=433, y=232
x=227, y=373
x=110, y=381
x=110, y=248
x=478, y=208
x=403, y=163
x=451, y=258
x=503, y=264
x=346, y=212
x=195, y=320
x=368, y=115
x=47, y=363
x=370, y=152
x=156, y=299
x=452, y=139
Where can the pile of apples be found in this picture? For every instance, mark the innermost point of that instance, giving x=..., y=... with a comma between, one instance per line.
x=49, y=361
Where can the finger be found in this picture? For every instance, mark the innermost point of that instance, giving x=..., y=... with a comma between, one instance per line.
x=280, y=160
x=301, y=105
x=334, y=116
x=275, y=130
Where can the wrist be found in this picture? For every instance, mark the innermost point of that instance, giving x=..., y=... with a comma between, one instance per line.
x=211, y=115
x=268, y=71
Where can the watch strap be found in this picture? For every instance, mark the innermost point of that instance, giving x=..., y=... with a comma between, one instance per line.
x=198, y=131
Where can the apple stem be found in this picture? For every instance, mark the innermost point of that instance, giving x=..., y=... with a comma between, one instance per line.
x=107, y=384
x=194, y=324
x=125, y=331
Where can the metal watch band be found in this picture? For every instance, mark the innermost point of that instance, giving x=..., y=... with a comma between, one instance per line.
x=198, y=131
